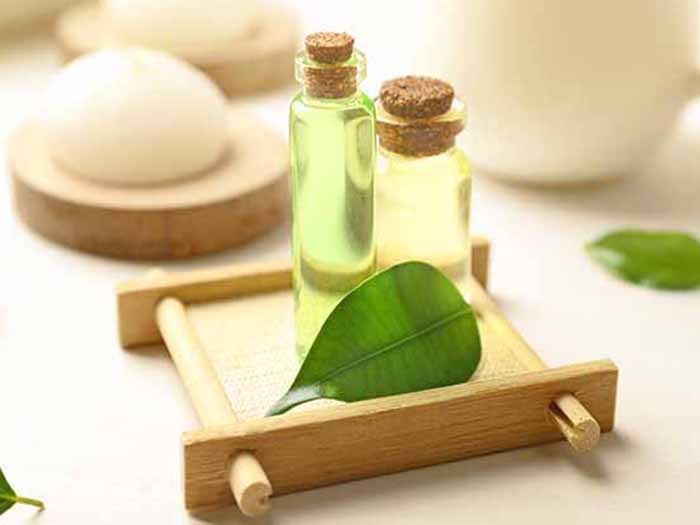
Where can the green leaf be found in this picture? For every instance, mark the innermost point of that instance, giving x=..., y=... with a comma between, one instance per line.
x=405, y=329
x=8, y=497
x=667, y=260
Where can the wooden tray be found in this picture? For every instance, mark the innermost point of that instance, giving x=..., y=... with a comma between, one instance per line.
x=242, y=318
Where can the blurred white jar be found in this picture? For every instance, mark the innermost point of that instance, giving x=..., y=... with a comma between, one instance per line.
x=134, y=116
x=188, y=28
x=567, y=90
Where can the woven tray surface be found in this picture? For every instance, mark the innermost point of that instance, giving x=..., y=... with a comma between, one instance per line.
x=250, y=341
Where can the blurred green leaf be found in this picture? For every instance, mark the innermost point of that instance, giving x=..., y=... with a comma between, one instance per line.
x=662, y=259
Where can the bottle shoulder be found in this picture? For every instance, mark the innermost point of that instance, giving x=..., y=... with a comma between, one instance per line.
x=358, y=103
x=458, y=156
x=460, y=159
x=453, y=161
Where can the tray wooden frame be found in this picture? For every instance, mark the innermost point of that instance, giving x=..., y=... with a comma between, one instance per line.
x=304, y=450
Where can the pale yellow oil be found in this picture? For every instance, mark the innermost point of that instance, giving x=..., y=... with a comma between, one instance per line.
x=423, y=207
x=332, y=144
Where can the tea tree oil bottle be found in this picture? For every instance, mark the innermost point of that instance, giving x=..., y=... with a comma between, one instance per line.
x=423, y=179
x=332, y=143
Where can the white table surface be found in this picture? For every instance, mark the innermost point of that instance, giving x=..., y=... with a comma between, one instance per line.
x=94, y=430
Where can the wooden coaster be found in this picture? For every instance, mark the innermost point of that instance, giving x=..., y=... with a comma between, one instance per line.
x=262, y=61
x=243, y=196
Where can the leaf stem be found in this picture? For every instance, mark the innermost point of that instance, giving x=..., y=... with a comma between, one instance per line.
x=23, y=500
x=293, y=398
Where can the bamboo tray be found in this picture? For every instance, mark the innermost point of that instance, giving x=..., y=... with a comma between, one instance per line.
x=229, y=331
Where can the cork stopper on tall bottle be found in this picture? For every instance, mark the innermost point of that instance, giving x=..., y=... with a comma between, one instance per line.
x=418, y=116
x=329, y=48
x=328, y=71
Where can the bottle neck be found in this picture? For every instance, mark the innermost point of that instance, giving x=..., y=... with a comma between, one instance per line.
x=417, y=141
x=405, y=157
x=310, y=97
x=330, y=81
x=426, y=137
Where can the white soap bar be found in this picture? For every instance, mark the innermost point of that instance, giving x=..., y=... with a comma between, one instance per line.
x=134, y=116
x=188, y=28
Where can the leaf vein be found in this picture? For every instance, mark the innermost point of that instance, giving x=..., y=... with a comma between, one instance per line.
x=388, y=348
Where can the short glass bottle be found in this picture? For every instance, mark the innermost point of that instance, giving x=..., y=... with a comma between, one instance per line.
x=332, y=147
x=423, y=190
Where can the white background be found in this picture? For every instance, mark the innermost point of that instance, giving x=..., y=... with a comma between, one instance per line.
x=94, y=430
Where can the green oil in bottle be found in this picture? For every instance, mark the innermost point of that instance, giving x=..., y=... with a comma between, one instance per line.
x=332, y=142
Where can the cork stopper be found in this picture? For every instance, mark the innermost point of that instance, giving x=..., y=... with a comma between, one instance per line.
x=418, y=116
x=329, y=48
x=416, y=97
x=329, y=66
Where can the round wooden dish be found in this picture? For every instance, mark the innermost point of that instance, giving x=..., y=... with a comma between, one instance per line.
x=243, y=196
x=262, y=61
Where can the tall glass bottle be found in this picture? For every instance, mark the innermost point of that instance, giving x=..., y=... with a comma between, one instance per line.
x=332, y=143
x=423, y=178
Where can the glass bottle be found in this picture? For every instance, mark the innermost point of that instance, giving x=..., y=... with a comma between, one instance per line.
x=423, y=178
x=332, y=143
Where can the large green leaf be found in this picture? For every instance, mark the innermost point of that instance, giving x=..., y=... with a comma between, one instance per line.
x=6, y=494
x=405, y=329
x=669, y=260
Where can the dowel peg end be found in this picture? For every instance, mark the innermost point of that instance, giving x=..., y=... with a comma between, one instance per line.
x=250, y=486
x=576, y=424
x=255, y=499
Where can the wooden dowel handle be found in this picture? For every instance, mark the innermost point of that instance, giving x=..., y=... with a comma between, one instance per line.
x=197, y=374
x=249, y=483
x=576, y=424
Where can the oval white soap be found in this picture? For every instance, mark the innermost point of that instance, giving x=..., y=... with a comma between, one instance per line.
x=189, y=28
x=134, y=116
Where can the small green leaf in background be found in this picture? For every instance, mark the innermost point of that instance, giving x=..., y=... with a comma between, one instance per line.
x=405, y=329
x=667, y=260
x=8, y=497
